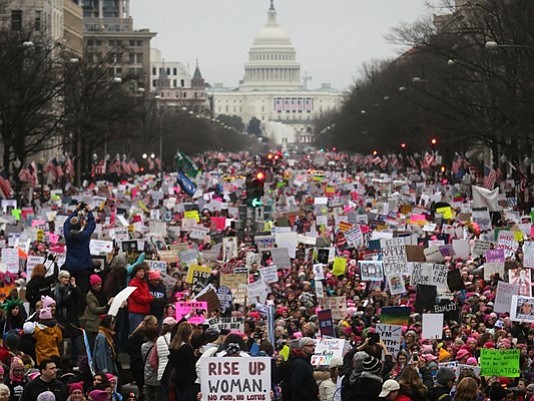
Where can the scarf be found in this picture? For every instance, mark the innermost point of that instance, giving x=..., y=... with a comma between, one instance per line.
x=100, y=297
x=109, y=339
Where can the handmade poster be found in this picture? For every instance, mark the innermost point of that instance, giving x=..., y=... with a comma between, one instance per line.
x=528, y=254
x=480, y=247
x=492, y=268
x=194, y=312
x=235, y=378
x=522, y=309
x=395, y=284
x=494, y=255
x=507, y=241
x=229, y=248
x=395, y=315
x=523, y=279
x=503, y=296
x=318, y=271
x=340, y=266
x=326, y=349
x=338, y=306
x=499, y=363
x=269, y=274
x=391, y=336
x=482, y=218
x=432, y=325
x=394, y=256
x=449, y=309
x=461, y=248
x=371, y=271
x=425, y=298
x=429, y=274
x=227, y=323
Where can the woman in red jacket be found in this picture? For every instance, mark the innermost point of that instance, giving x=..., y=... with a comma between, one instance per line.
x=139, y=301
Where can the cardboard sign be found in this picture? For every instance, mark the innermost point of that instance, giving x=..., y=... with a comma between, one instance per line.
x=429, y=274
x=269, y=274
x=507, y=241
x=491, y=269
x=338, y=306
x=500, y=363
x=197, y=271
x=480, y=247
x=432, y=325
x=235, y=378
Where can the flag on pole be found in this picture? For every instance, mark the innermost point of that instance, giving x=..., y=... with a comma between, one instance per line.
x=126, y=167
x=115, y=166
x=134, y=166
x=490, y=176
x=5, y=187
x=185, y=164
x=68, y=167
x=457, y=164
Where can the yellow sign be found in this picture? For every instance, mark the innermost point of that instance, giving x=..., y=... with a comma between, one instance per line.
x=340, y=265
x=518, y=236
x=142, y=205
x=446, y=211
x=198, y=270
x=192, y=214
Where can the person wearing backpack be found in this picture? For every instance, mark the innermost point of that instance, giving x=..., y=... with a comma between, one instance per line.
x=152, y=388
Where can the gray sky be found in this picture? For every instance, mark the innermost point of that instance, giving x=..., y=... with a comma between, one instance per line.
x=332, y=37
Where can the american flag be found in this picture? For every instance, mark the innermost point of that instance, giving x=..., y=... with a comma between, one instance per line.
x=472, y=169
x=457, y=163
x=126, y=167
x=68, y=167
x=25, y=174
x=115, y=166
x=5, y=187
x=53, y=168
x=134, y=166
x=490, y=176
x=100, y=168
x=376, y=160
x=412, y=162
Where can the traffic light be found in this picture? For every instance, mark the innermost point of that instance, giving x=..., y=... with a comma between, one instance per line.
x=255, y=191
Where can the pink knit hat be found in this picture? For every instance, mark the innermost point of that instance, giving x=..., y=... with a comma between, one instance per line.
x=46, y=301
x=95, y=280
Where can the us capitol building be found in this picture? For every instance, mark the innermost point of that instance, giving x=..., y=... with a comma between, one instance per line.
x=273, y=92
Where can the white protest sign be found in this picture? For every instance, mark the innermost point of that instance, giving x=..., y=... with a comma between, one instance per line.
x=269, y=274
x=319, y=289
x=433, y=254
x=528, y=254
x=429, y=274
x=338, y=306
x=394, y=257
x=235, y=378
x=318, y=271
x=354, y=237
x=480, y=247
x=119, y=299
x=257, y=292
x=158, y=265
x=98, y=247
x=391, y=336
x=395, y=284
x=10, y=256
x=493, y=267
x=432, y=325
x=482, y=218
x=503, y=296
x=199, y=232
x=30, y=264
x=371, y=271
x=461, y=248
x=227, y=323
x=326, y=349
x=507, y=242
x=522, y=309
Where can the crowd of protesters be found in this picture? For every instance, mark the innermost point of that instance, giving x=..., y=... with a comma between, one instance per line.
x=60, y=341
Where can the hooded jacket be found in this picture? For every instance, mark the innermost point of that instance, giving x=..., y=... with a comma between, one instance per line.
x=78, y=256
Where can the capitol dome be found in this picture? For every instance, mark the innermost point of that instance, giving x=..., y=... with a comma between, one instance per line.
x=272, y=59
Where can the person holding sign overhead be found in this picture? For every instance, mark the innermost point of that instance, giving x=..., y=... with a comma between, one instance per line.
x=77, y=230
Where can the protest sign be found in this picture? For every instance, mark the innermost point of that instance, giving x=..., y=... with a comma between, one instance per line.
x=225, y=298
x=461, y=248
x=99, y=247
x=269, y=274
x=326, y=324
x=395, y=284
x=233, y=280
x=371, y=271
x=280, y=257
x=391, y=336
x=119, y=299
x=326, y=349
x=503, y=297
x=235, y=378
x=432, y=326
x=338, y=306
x=157, y=265
x=480, y=247
x=264, y=241
x=10, y=256
x=395, y=315
x=523, y=279
x=393, y=255
x=340, y=266
x=492, y=268
x=494, y=255
x=476, y=369
x=482, y=218
x=506, y=240
x=354, y=237
x=227, y=323
x=415, y=253
x=196, y=271
x=318, y=271
x=432, y=254
x=528, y=254
x=257, y=292
x=429, y=274
x=199, y=232
x=195, y=312
x=449, y=309
x=522, y=309
x=500, y=363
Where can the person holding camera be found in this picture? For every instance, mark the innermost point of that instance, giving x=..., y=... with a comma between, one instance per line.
x=77, y=231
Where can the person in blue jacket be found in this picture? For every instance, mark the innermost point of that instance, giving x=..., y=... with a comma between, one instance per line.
x=77, y=231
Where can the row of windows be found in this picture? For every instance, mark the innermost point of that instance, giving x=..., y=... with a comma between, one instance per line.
x=17, y=20
x=133, y=58
x=183, y=95
x=272, y=57
x=174, y=83
x=167, y=70
x=114, y=43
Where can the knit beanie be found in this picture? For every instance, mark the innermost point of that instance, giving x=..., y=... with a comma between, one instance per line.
x=98, y=395
x=372, y=365
x=46, y=396
x=94, y=280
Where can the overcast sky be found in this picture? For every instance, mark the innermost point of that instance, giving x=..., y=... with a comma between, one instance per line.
x=332, y=37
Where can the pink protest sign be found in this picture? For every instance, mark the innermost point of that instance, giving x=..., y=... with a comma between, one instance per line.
x=220, y=223
x=53, y=238
x=194, y=312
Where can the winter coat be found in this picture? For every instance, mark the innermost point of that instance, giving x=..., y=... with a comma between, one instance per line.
x=162, y=345
x=48, y=338
x=93, y=312
x=78, y=256
x=160, y=300
x=366, y=387
x=140, y=300
x=103, y=356
x=303, y=385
